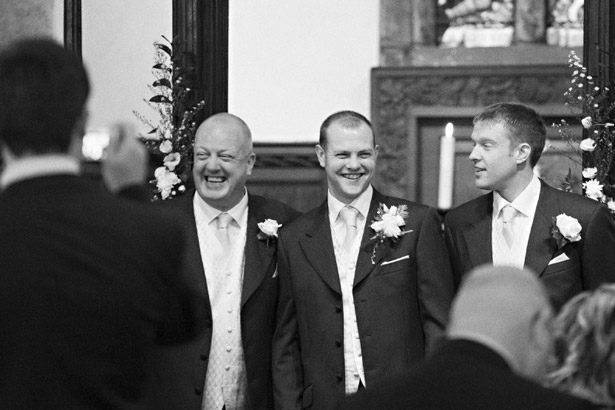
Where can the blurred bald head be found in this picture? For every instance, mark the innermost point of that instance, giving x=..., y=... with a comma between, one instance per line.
x=508, y=306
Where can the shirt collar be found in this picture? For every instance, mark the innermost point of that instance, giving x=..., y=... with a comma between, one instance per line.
x=38, y=166
x=525, y=203
x=238, y=212
x=361, y=203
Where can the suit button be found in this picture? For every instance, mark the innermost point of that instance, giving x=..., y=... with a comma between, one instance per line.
x=338, y=309
x=203, y=357
x=338, y=343
x=198, y=391
x=339, y=378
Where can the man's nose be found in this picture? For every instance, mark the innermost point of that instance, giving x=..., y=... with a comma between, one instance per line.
x=353, y=162
x=474, y=155
x=212, y=163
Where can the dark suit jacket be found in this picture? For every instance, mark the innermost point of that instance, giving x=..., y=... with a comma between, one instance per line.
x=182, y=389
x=463, y=375
x=401, y=307
x=88, y=287
x=591, y=260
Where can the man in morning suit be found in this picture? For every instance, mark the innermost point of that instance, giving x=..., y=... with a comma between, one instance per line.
x=233, y=264
x=88, y=282
x=513, y=224
x=354, y=309
x=499, y=344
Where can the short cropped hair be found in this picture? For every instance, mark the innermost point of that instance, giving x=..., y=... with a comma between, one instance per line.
x=524, y=124
x=43, y=89
x=349, y=119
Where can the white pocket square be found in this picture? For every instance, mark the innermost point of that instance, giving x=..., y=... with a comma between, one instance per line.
x=560, y=258
x=395, y=260
x=275, y=272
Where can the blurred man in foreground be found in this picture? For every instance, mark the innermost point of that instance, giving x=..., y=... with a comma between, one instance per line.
x=89, y=283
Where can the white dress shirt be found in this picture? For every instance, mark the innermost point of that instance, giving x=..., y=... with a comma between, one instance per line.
x=525, y=204
x=346, y=266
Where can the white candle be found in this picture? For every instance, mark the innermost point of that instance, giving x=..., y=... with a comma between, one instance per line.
x=447, y=166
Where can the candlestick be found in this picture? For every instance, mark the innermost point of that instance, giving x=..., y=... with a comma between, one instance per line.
x=447, y=167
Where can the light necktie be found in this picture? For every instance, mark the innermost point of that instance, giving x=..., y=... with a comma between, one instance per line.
x=222, y=233
x=508, y=215
x=349, y=216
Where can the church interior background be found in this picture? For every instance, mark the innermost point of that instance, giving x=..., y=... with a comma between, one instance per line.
x=412, y=66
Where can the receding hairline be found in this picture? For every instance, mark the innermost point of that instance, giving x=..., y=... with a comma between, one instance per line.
x=346, y=119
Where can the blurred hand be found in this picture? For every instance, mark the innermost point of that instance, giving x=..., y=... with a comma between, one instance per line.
x=126, y=161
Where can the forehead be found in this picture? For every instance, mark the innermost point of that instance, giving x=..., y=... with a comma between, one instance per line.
x=221, y=136
x=340, y=137
x=490, y=131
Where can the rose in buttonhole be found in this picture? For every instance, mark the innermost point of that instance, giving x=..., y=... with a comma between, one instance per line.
x=390, y=222
x=269, y=227
x=568, y=227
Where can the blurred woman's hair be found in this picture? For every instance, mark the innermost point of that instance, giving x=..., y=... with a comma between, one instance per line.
x=585, y=347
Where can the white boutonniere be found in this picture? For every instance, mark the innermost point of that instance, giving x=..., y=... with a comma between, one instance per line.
x=566, y=229
x=387, y=225
x=268, y=230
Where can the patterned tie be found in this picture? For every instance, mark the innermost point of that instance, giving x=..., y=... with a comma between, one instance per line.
x=508, y=215
x=224, y=220
x=349, y=216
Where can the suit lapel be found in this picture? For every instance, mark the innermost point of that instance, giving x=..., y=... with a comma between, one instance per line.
x=478, y=234
x=258, y=253
x=364, y=261
x=318, y=248
x=541, y=246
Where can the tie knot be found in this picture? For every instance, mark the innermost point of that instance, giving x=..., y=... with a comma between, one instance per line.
x=224, y=220
x=508, y=214
x=349, y=215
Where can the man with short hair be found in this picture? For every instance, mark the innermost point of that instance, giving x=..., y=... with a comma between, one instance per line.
x=500, y=341
x=365, y=284
x=524, y=222
x=88, y=282
x=232, y=259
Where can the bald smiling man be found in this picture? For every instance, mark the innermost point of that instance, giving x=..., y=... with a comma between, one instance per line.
x=499, y=343
x=234, y=267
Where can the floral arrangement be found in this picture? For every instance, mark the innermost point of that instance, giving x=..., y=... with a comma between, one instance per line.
x=170, y=140
x=566, y=229
x=387, y=225
x=597, y=118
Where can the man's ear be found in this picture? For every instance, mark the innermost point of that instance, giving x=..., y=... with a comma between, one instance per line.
x=524, y=152
x=251, y=162
x=321, y=154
